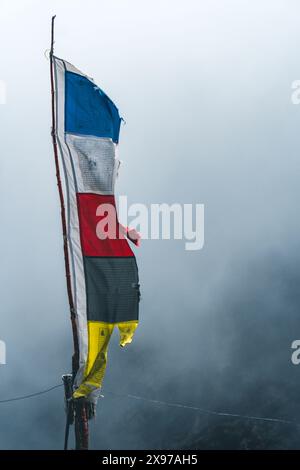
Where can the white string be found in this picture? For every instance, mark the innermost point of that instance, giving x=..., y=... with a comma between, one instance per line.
x=202, y=410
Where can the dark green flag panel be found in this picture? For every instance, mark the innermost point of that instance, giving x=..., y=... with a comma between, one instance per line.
x=112, y=286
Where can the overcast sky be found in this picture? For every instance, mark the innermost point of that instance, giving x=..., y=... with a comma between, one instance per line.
x=205, y=89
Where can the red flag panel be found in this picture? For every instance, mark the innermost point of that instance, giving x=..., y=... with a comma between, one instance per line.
x=100, y=232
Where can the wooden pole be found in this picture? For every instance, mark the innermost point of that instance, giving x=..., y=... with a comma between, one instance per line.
x=81, y=424
x=81, y=418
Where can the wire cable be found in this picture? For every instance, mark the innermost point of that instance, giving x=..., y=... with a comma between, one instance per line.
x=202, y=410
x=31, y=395
x=165, y=403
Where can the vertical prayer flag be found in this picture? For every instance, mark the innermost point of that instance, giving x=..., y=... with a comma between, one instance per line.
x=103, y=269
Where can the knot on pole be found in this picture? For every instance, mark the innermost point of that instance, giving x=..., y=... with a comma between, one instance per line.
x=69, y=407
x=68, y=387
x=79, y=412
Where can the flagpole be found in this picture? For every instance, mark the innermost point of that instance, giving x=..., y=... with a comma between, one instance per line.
x=81, y=407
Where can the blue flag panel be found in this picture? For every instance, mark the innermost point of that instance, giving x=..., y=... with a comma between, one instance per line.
x=89, y=111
